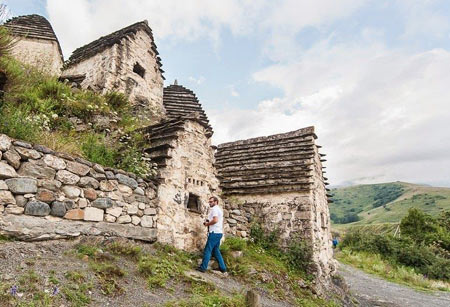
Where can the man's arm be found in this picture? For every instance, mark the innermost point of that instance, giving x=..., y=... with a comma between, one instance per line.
x=214, y=221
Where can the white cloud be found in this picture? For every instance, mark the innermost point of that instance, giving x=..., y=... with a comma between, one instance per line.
x=380, y=114
x=197, y=81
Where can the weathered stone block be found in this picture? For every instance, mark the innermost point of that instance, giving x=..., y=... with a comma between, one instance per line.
x=97, y=175
x=125, y=189
x=150, y=211
x=74, y=214
x=58, y=209
x=123, y=179
x=23, y=144
x=89, y=182
x=82, y=203
x=93, y=214
x=5, y=142
x=31, y=169
x=45, y=195
x=139, y=191
x=110, y=175
x=132, y=209
x=12, y=157
x=71, y=191
x=103, y=203
x=124, y=219
x=67, y=177
x=22, y=185
x=110, y=219
x=14, y=210
x=116, y=212
x=21, y=201
x=26, y=153
x=6, y=198
x=52, y=185
x=3, y=185
x=135, y=220
x=37, y=208
x=54, y=162
x=90, y=194
x=108, y=185
x=147, y=221
x=77, y=168
x=7, y=171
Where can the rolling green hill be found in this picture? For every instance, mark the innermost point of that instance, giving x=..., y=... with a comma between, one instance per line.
x=385, y=202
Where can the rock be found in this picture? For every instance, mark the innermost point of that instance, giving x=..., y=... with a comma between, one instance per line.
x=26, y=153
x=103, y=203
x=242, y=234
x=45, y=195
x=5, y=142
x=127, y=181
x=140, y=213
x=110, y=219
x=23, y=144
x=239, y=218
x=82, y=203
x=93, y=214
x=139, y=191
x=132, y=209
x=150, y=211
x=77, y=168
x=90, y=194
x=147, y=221
x=135, y=220
x=89, y=182
x=52, y=185
x=98, y=168
x=6, y=198
x=58, y=209
x=110, y=175
x=54, y=162
x=97, y=175
x=2, y=208
x=67, y=177
x=74, y=214
x=31, y=169
x=14, y=210
x=124, y=219
x=231, y=221
x=12, y=157
x=37, y=208
x=116, y=211
x=108, y=185
x=236, y=211
x=141, y=206
x=71, y=191
x=115, y=195
x=7, y=171
x=43, y=149
x=253, y=299
x=83, y=161
x=22, y=185
x=21, y=201
x=3, y=185
x=69, y=204
x=125, y=189
x=236, y=254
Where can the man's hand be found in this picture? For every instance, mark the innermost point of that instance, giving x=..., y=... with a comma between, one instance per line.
x=214, y=220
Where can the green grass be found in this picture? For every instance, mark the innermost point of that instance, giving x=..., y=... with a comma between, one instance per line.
x=374, y=264
x=360, y=200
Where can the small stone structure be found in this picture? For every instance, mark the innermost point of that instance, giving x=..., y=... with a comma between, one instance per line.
x=35, y=43
x=278, y=182
x=38, y=182
x=125, y=61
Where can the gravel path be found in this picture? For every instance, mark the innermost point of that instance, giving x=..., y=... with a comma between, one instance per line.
x=374, y=291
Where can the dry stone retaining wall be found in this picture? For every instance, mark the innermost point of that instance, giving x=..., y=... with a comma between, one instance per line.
x=38, y=182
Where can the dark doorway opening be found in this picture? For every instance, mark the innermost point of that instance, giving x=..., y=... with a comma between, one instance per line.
x=194, y=203
x=139, y=69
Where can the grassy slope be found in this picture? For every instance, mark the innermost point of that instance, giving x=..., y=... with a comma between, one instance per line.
x=431, y=200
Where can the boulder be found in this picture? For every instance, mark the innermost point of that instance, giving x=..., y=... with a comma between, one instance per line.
x=147, y=221
x=93, y=214
x=3, y=185
x=123, y=179
x=27, y=153
x=23, y=144
x=139, y=191
x=98, y=168
x=67, y=177
x=58, y=209
x=77, y=168
x=7, y=171
x=108, y=185
x=6, y=198
x=54, y=162
x=45, y=195
x=90, y=194
x=110, y=219
x=116, y=211
x=97, y=175
x=150, y=211
x=5, y=142
x=135, y=220
x=12, y=157
x=52, y=185
x=124, y=219
x=31, y=169
x=110, y=175
x=71, y=191
x=21, y=201
x=37, y=208
x=89, y=182
x=125, y=189
x=14, y=210
x=132, y=209
x=22, y=185
x=103, y=203
x=74, y=214
x=82, y=203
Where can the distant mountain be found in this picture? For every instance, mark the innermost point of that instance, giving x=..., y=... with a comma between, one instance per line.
x=385, y=202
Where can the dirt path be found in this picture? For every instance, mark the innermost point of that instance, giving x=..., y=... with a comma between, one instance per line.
x=374, y=291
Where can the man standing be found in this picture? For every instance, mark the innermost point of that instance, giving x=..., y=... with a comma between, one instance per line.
x=215, y=233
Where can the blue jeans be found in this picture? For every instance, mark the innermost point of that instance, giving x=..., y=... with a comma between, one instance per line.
x=212, y=246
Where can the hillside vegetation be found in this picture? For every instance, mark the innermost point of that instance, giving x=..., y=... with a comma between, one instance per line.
x=385, y=203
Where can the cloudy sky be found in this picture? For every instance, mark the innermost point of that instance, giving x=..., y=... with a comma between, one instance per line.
x=373, y=76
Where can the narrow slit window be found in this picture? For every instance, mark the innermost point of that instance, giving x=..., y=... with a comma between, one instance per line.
x=193, y=203
x=139, y=69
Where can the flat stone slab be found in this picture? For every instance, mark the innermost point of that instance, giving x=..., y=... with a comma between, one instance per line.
x=22, y=185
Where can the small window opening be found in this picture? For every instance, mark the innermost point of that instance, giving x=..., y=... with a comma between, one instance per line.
x=139, y=69
x=193, y=203
x=323, y=220
x=189, y=180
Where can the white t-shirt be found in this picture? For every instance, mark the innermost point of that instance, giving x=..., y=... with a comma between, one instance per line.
x=216, y=211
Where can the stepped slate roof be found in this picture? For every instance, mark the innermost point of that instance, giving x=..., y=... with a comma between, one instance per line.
x=32, y=26
x=109, y=40
x=270, y=164
x=180, y=101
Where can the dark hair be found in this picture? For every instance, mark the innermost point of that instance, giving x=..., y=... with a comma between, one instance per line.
x=215, y=198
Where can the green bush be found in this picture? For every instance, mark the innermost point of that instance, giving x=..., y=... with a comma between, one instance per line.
x=267, y=240
x=95, y=150
x=299, y=255
x=18, y=125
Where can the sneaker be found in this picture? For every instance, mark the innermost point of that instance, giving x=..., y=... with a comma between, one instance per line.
x=200, y=270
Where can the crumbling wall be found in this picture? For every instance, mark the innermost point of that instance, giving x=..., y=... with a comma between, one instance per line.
x=112, y=70
x=39, y=186
x=189, y=171
x=43, y=54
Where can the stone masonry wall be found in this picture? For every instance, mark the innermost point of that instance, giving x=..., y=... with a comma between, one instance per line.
x=112, y=70
x=46, y=186
x=190, y=170
x=40, y=53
